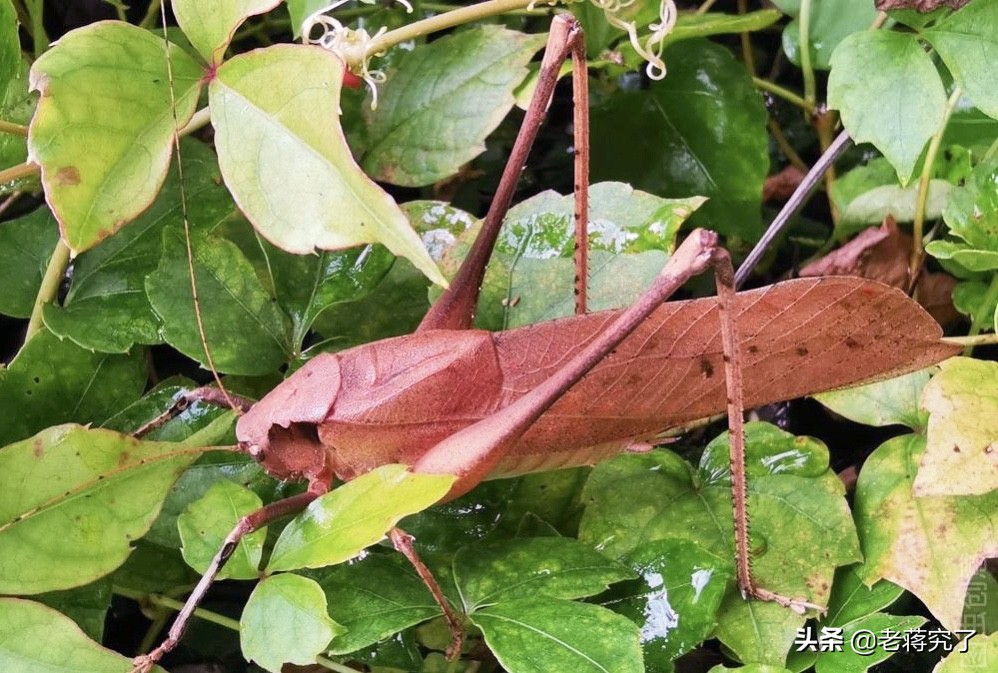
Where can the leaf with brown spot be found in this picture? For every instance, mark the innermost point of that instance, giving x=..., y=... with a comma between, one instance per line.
x=69, y=518
x=931, y=546
x=961, y=456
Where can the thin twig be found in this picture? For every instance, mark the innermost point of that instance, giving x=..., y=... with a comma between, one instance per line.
x=804, y=39
x=924, y=180
x=13, y=128
x=792, y=206
x=784, y=93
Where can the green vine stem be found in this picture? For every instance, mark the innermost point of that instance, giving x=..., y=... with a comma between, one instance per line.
x=13, y=129
x=162, y=601
x=804, y=38
x=49, y=289
x=432, y=24
x=784, y=93
x=918, y=225
x=38, y=35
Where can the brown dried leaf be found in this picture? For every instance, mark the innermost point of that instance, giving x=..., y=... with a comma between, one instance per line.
x=781, y=186
x=883, y=254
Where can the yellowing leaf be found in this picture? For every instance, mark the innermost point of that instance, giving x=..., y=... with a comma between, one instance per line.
x=103, y=132
x=931, y=546
x=961, y=455
x=285, y=159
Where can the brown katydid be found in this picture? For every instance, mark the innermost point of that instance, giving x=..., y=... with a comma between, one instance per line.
x=450, y=399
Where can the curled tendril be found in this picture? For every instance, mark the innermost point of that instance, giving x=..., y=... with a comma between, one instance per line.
x=350, y=44
x=651, y=49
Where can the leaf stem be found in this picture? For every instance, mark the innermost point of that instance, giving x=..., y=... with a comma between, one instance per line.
x=152, y=14
x=432, y=24
x=924, y=180
x=746, y=41
x=705, y=7
x=13, y=129
x=38, y=34
x=49, y=289
x=20, y=171
x=971, y=341
x=173, y=604
x=334, y=666
x=804, y=38
x=784, y=93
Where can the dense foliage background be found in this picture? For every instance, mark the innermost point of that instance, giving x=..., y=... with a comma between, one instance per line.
x=879, y=502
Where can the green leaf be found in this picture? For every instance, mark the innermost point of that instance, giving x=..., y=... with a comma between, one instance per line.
x=206, y=523
x=961, y=455
x=967, y=41
x=26, y=244
x=972, y=211
x=246, y=332
x=851, y=599
x=693, y=24
x=831, y=22
x=285, y=159
x=374, y=597
x=210, y=27
x=301, y=10
x=701, y=130
x=894, y=201
x=768, y=451
x=285, y=621
x=10, y=44
x=676, y=600
x=86, y=605
x=890, y=402
x=629, y=230
x=213, y=467
x=889, y=94
x=104, y=129
x=972, y=260
x=24, y=625
x=787, y=492
x=55, y=381
x=152, y=568
x=980, y=656
x=397, y=304
x=862, y=646
x=17, y=105
x=539, y=635
x=84, y=496
x=930, y=546
x=488, y=572
x=442, y=101
x=107, y=308
x=305, y=285
x=971, y=299
x=342, y=523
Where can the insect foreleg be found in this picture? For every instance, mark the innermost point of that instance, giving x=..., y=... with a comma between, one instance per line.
x=246, y=525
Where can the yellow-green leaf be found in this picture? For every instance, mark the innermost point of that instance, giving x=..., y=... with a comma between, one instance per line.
x=104, y=127
x=285, y=159
x=961, y=455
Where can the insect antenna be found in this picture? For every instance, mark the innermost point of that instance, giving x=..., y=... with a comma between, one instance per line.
x=199, y=318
